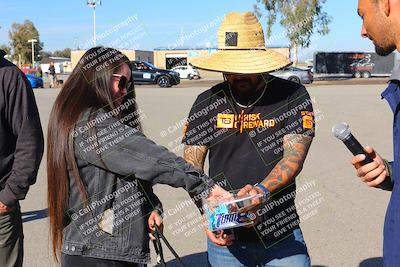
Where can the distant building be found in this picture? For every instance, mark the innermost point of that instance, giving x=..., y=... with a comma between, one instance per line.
x=131, y=54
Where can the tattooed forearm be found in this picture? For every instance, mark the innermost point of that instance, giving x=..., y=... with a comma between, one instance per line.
x=295, y=151
x=195, y=155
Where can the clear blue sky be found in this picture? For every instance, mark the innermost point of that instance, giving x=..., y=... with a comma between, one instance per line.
x=160, y=23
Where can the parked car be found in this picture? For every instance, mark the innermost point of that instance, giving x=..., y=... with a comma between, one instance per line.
x=295, y=74
x=35, y=81
x=187, y=72
x=146, y=73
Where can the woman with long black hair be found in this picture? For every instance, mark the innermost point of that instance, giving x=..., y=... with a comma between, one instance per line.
x=101, y=167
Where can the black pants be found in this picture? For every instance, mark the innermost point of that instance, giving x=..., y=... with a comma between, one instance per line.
x=79, y=261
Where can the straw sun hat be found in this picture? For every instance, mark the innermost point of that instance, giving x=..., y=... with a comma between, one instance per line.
x=241, y=48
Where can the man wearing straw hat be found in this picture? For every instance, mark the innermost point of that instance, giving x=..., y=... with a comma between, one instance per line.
x=257, y=129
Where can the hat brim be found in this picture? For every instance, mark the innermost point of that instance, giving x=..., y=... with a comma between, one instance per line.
x=249, y=61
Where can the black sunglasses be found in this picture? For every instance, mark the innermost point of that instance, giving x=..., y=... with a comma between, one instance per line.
x=123, y=82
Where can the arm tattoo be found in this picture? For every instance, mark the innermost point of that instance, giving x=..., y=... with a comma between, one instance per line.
x=295, y=149
x=195, y=155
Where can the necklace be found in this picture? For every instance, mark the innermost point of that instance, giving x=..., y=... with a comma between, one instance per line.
x=249, y=105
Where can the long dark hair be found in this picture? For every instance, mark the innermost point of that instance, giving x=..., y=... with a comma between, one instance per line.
x=87, y=88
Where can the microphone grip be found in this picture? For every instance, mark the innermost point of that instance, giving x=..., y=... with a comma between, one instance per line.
x=356, y=148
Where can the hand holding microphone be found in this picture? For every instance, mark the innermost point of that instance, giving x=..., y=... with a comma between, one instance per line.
x=374, y=173
x=369, y=165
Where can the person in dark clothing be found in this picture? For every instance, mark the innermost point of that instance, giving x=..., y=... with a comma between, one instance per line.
x=257, y=130
x=52, y=75
x=21, y=150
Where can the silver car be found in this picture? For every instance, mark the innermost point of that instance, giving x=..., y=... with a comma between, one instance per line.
x=294, y=74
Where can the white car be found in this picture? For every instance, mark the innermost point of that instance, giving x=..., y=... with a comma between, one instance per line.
x=187, y=72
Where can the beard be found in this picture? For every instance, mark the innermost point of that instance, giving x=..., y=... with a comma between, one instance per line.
x=384, y=51
x=245, y=88
x=245, y=85
x=385, y=42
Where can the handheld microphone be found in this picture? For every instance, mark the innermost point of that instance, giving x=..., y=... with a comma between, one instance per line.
x=342, y=132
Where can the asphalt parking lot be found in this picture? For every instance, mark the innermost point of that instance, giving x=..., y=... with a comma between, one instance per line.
x=345, y=228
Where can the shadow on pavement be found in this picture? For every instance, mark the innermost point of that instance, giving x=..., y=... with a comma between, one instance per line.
x=372, y=262
x=34, y=215
x=200, y=260
x=193, y=260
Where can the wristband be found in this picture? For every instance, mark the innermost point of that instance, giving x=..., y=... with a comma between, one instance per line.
x=264, y=189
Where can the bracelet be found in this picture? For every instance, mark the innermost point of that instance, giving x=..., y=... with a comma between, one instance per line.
x=264, y=189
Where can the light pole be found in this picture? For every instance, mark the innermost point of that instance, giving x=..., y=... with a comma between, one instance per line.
x=76, y=43
x=93, y=4
x=33, y=41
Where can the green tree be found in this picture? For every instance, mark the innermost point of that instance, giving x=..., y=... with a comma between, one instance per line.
x=19, y=36
x=300, y=18
x=62, y=53
x=45, y=54
x=6, y=48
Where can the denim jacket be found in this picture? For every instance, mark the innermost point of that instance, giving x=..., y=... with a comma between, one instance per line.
x=118, y=166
